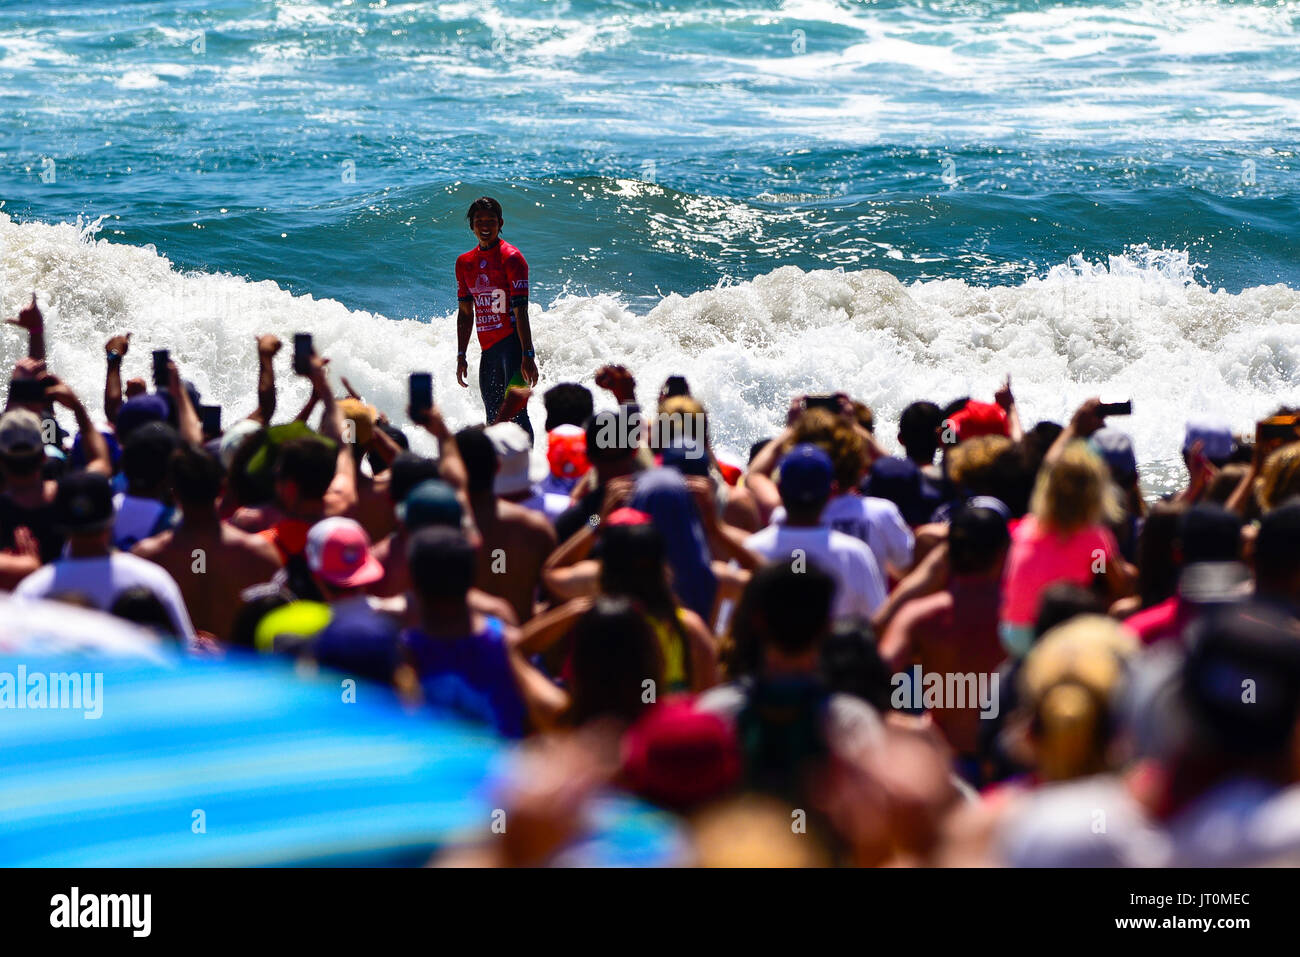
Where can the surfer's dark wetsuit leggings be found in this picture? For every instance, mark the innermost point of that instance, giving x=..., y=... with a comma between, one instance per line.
x=499, y=364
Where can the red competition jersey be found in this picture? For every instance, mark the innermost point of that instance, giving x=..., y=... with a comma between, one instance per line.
x=496, y=279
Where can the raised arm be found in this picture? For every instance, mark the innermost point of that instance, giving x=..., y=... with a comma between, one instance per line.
x=92, y=443
x=187, y=417
x=342, y=494
x=115, y=351
x=267, y=346
x=30, y=318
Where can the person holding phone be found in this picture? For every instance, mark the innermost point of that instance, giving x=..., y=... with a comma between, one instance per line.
x=492, y=291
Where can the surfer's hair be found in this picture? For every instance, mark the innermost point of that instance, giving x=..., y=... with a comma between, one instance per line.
x=484, y=204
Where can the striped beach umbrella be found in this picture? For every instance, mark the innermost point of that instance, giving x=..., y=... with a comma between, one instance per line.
x=247, y=763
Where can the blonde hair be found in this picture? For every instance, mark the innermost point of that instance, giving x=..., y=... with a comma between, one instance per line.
x=975, y=463
x=674, y=411
x=838, y=438
x=1070, y=680
x=1280, y=477
x=1074, y=492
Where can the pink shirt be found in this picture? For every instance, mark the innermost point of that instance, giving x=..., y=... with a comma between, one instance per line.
x=1039, y=558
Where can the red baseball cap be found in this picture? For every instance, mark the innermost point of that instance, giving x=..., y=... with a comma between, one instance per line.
x=628, y=516
x=338, y=550
x=979, y=418
x=679, y=757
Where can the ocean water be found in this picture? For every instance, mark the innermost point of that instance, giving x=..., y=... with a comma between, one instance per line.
x=904, y=199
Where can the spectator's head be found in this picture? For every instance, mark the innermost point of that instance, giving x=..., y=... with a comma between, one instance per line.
x=863, y=415
x=918, y=431
x=144, y=458
x=1073, y=492
x=1158, y=558
x=567, y=404
x=139, y=411
x=431, y=503
x=22, y=444
x=614, y=654
x=1116, y=450
x=1070, y=682
x=1224, y=483
x=407, y=471
x=513, y=451
x=196, y=478
x=566, y=452
x=681, y=419
x=1209, y=533
x=338, y=555
x=1062, y=602
x=1230, y=709
x=899, y=480
x=480, y=458
x=304, y=469
x=358, y=422
x=679, y=757
x=442, y=563
x=975, y=419
x=852, y=664
x=632, y=562
x=1280, y=479
x=783, y=618
x=977, y=541
x=612, y=442
x=83, y=510
x=140, y=606
x=837, y=437
x=987, y=465
x=1277, y=554
x=805, y=481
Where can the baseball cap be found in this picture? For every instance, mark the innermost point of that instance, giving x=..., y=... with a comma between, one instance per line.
x=363, y=419
x=432, y=502
x=84, y=502
x=628, y=516
x=979, y=418
x=234, y=437
x=1116, y=450
x=805, y=475
x=338, y=550
x=976, y=530
x=259, y=466
x=1215, y=437
x=686, y=456
x=899, y=480
x=679, y=757
x=566, y=452
x=514, y=452
x=136, y=412
x=20, y=433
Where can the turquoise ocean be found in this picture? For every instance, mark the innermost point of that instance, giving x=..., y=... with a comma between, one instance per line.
x=904, y=199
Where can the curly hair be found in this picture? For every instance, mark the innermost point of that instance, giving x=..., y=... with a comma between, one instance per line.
x=840, y=441
x=1280, y=477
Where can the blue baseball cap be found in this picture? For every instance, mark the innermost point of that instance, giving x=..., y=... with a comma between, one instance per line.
x=806, y=475
x=139, y=411
x=432, y=502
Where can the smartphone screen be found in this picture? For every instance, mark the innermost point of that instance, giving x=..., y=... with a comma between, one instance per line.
x=828, y=402
x=1115, y=408
x=302, y=352
x=421, y=391
x=160, y=375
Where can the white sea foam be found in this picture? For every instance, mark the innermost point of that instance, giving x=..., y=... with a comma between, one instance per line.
x=1137, y=326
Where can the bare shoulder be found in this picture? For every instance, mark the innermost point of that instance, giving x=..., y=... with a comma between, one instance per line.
x=153, y=546
x=255, y=545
